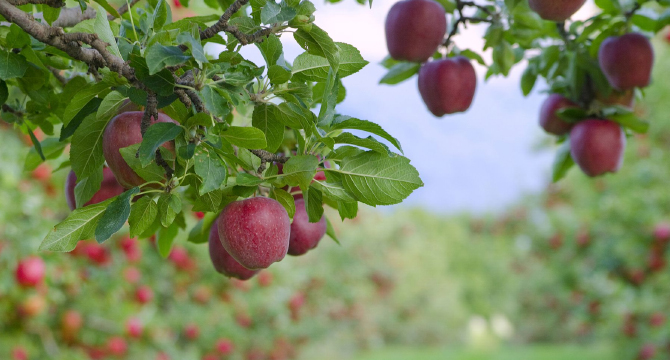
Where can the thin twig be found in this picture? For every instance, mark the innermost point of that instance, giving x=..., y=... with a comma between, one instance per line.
x=267, y=157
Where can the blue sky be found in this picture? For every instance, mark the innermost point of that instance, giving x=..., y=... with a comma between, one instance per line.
x=479, y=161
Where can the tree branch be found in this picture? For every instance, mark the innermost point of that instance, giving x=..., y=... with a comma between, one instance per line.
x=267, y=157
x=52, y=3
x=70, y=17
x=223, y=25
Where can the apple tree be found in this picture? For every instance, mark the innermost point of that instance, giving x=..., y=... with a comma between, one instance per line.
x=155, y=126
x=594, y=68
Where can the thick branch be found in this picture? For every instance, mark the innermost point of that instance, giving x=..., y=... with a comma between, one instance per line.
x=223, y=25
x=72, y=16
x=268, y=157
x=52, y=3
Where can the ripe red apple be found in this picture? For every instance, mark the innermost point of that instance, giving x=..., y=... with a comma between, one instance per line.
x=181, y=260
x=224, y=347
x=556, y=10
x=657, y=319
x=255, y=231
x=131, y=248
x=134, y=328
x=122, y=131
x=202, y=294
x=117, y=346
x=662, y=232
x=144, y=294
x=30, y=271
x=199, y=215
x=304, y=234
x=19, y=353
x=549, y=119
x=448, y=86
x=132, y=275
x=265, y=278
x=627, y=61
x=33, y=305
x=42, y=172
x=97, y=253
x=656, y=262
x=191, y=331
x=556, y=241
x=597, y=146
x=415, y=29
x=108, y=189
x=221, y=259
x=647, y=352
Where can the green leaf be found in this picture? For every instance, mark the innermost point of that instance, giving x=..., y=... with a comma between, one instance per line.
x=4, y=92
x=301, y=169
x=263, y=118
x=271, y=48
x=314, y=204
x=162, y=83
x=377, y=179
x=50, y=13
x=195, y=45
x=79, y=225
x=104, y=31
x=330, y=231
x=86, y=150
x=154, y=137
x=115, y=216
x=214, y=102
x=160, y=15
x=152, y=172
x=12, y=65
x=89, y=109
x=159, y=56
x=211, y=170
x=200, y=232
x=81, y=99
x=285, y=199
x=36, y=143
x=273, y=13
x=400, y=72
x=310, y=67
x=51, y=149
x=142, y=214
x=318, y=42
x=165, y=238
x=347, y=210
x=246, y=137
x=110, y=105
x=346, y=122
x=169, y=205
x=563, y=162
x=87, y=187
x=244, y=179
x=369, y=142
x=279, y=74
x=208, y=202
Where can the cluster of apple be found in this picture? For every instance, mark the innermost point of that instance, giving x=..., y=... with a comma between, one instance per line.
x=596, y=143
x=415, y=29
x=248, y=235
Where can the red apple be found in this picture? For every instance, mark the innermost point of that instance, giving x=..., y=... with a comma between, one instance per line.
x=19, y=353
x=415, y=29
x=42, y=172
x=117, y=346
x=30, y=271
x=627, y=61
x=122, y=131
x=33, y=305
x=597, y=146
x=134, y=328
x=224, y=347
x=549, y=119
x=304, y=234
x=108, y=189
x=191, y=331
x=144, y=294
x=448, y=86
x=647, y=352
x=221, y=259
x=556, y=10
x=71, y=323
x=265, y=278
x=662, y=233
x=131, y=248
x=132, y=275
x=255, y=231
x=657, y=319
x=97, y=254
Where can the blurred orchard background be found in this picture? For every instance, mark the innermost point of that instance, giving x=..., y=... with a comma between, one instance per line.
x=487, y=261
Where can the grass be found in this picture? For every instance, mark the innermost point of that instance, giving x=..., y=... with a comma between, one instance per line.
x=536, y=352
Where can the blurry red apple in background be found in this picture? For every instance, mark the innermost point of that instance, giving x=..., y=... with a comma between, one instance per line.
x=549, y=119
x=448, y=86
x=556, y=10
x=597, y=146
x=415, y=29
x=627, y=61
x=30, y=271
